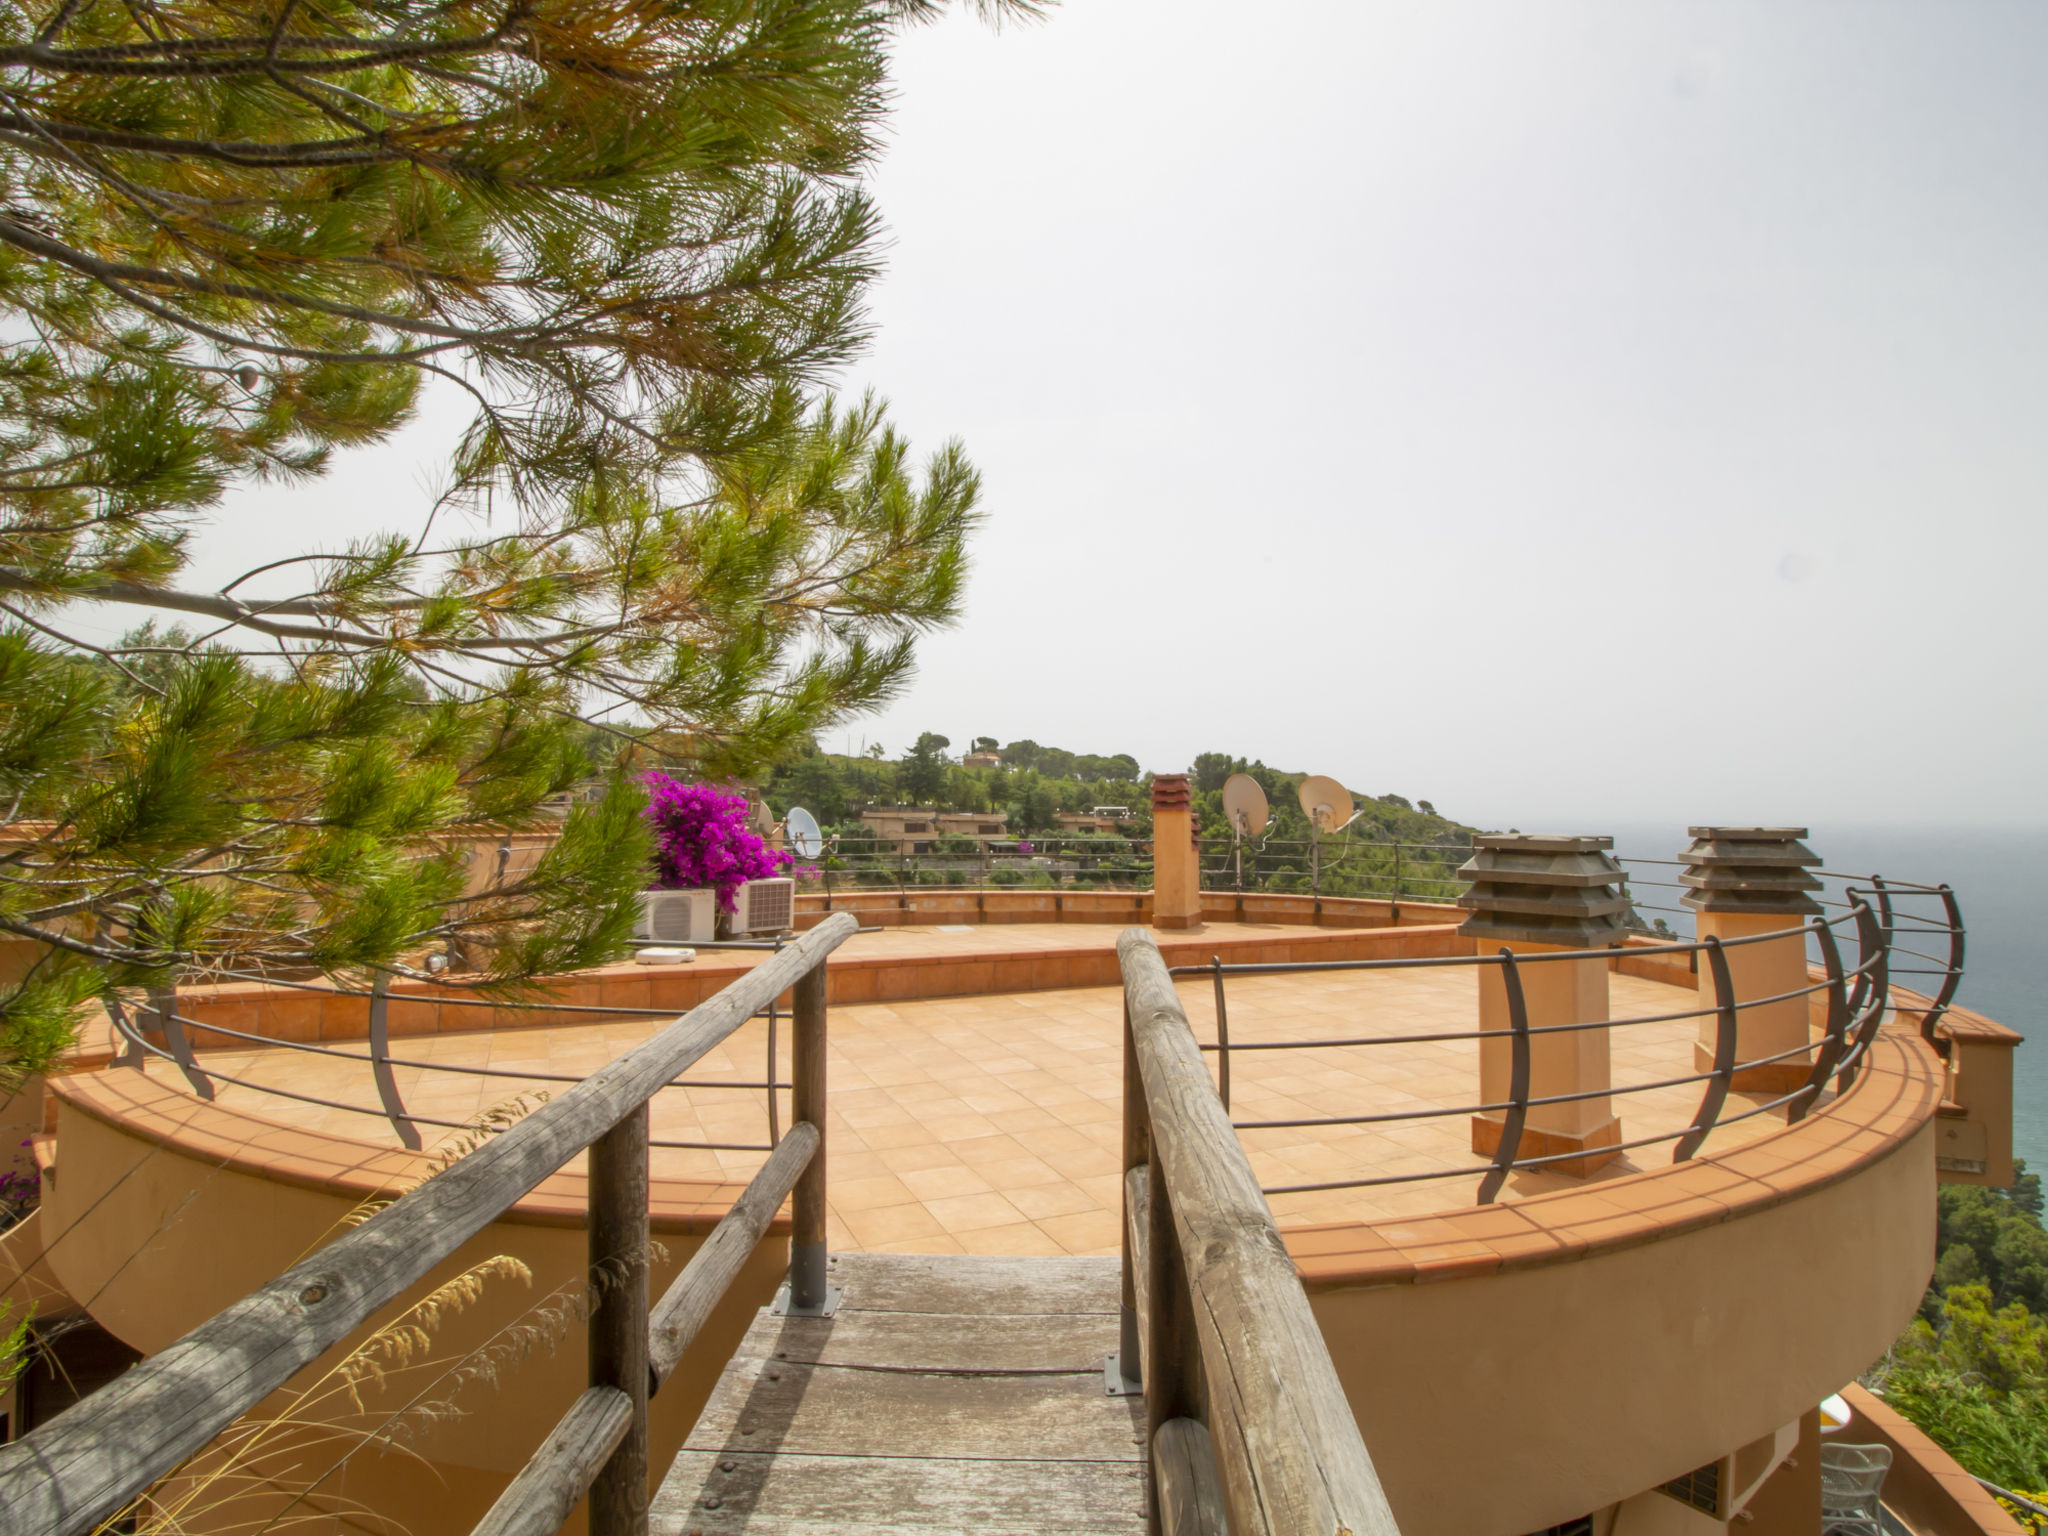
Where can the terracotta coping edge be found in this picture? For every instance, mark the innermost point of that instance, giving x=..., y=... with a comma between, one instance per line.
x=377, y=1172
x=1704, y=1192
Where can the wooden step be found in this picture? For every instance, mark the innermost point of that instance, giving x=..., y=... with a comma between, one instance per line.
x=947, y=1394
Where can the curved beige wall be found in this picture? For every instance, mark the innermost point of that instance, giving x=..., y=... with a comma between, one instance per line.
x=154, y=1242
x=1508, y=1403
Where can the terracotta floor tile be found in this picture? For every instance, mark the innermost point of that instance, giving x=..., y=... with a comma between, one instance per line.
x=940, y=1182
x=960, y=1214
x=893, y=1224
x=1043, y=1200
x=928, y=1154
x=850, y=1195
x=1022, y=1238
x=936, y=1244
x=1087, y=1232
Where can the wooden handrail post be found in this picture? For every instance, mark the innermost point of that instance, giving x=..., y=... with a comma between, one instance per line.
x=807, y=1288
x=1128, y=1373
x=1172, y=1363
x=619, y=1241
x=1228, y=1325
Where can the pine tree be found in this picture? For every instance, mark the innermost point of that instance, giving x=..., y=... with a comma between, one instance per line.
x=236, y=238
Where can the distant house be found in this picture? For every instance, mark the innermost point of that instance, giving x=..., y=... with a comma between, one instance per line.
x=982, y=760
x=1100, y=818
x=913, y=828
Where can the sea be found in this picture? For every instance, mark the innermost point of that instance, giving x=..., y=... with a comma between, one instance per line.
x=1996, y=876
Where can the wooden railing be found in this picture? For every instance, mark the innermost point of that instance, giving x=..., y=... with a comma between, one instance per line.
x=89, y=1463
x=1248, y=1427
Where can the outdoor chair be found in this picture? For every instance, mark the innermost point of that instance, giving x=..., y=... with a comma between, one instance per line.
x=1851, y=1478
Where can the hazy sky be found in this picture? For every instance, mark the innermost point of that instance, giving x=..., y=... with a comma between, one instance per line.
x=1569, y=413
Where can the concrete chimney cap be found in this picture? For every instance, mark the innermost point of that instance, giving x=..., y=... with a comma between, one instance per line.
x=1540, y=842
x=1749, y=853
x=1518, y=866
x=1580, y=903
x=1748, y=834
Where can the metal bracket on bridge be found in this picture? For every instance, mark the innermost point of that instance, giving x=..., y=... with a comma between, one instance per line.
x=781, y=1307
x=1114, y=1382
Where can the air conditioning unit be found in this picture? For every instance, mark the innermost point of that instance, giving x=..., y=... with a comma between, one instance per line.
x=764, y=906
x=677, y=917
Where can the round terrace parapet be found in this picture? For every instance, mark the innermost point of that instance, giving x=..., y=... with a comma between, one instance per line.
x=1660, y=1311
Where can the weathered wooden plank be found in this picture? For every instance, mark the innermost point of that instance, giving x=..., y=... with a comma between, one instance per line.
x=792, y=1495
x=709, y=1274
x=1284, y=1434
x=1184, y=1472
x=904, y=1418
x=1136, y=1154
x=969, y=1286
x=1137, y=1215
x=935, y=1341
x=1172, y=1363
x=553, y=1482
x=67, y=1476
x=847, y=1411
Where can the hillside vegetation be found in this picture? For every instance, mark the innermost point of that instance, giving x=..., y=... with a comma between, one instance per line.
x=1034, y=784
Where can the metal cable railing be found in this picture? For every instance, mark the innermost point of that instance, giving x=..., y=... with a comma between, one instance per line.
x=1344, y=864
x=850, y=864
x=1871, y=910
x=1857, y=996
x=177, y=1050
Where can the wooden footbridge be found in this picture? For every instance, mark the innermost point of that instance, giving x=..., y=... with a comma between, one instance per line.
x=1185, y=1390
x=943, y=1394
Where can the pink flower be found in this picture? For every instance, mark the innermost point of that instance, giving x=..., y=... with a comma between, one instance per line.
x=702, y=839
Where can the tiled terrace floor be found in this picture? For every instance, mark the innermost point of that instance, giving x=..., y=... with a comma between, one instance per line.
x=991, y=1124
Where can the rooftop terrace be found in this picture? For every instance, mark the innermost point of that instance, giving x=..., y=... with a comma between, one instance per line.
x=991, y=1123
x=977, y=1099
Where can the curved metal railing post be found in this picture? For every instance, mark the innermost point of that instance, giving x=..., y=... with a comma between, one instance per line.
x=1880, y=997
x=163, y=1002
x=1953, y=979
x=132, y=1053
x=1222, y=1036
x=1884, y=904
x=1724, y=1055
x=380, y=1063
x=1834, y=1039
x=1518, y=1081
x=1869, y=945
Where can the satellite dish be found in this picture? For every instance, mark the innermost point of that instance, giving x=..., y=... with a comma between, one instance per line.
x=1326, y=803
x=761, y=819
x=804, y=835
x=1244, y=805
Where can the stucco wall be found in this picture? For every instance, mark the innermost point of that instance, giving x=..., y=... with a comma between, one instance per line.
x=1508, y=1403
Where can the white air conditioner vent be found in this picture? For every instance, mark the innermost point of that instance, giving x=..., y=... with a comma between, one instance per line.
x=764, y=906
x=677, y=917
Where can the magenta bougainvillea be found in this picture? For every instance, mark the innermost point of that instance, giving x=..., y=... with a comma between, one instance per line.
x=702, y=839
